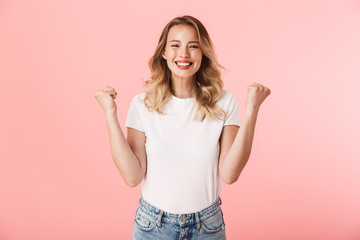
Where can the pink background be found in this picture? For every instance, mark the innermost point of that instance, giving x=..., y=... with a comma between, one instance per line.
x=57, y=177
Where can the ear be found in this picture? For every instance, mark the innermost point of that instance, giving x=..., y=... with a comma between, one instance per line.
x=163, y=54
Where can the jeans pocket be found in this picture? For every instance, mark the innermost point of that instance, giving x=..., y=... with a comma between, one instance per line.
x=144, y=221
x=214, y=223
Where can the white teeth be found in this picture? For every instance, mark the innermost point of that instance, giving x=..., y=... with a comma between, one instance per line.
x=183, y=64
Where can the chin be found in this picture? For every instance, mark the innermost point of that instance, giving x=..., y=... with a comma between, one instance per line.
x=186, y=76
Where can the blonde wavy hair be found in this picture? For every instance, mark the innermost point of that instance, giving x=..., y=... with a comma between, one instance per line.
x=208, y=85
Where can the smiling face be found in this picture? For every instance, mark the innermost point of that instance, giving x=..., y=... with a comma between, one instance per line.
x=182, y=52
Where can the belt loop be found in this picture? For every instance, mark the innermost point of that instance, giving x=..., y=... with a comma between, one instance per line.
x=197, y=221
x=160, y=218
x=220, y=201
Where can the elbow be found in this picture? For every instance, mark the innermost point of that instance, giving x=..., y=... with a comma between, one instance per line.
x=228, y=176
x=228, y=179
x=132, y=183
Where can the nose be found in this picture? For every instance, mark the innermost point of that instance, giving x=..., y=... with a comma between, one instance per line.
x=184, y=52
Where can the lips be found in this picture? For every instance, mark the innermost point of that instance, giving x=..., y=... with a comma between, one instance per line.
x=183, y=63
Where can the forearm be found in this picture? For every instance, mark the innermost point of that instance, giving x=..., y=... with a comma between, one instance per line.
x=124, y=158
x=239, y=153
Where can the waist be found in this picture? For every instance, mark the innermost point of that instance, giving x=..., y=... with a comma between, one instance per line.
x=181, y=219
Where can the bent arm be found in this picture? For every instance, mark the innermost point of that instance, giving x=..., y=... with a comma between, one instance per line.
x=236, y=146
x=129, y=156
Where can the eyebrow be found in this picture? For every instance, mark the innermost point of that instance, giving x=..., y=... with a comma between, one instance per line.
x=180, y=41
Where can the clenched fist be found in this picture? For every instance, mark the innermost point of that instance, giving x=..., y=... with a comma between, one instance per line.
x=256, y=95
x=106, y=97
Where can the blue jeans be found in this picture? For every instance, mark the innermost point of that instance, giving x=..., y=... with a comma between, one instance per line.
x=153, y=223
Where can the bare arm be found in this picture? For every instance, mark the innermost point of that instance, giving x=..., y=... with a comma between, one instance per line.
x=235, y=143
x=238, y=142
x=129, y=156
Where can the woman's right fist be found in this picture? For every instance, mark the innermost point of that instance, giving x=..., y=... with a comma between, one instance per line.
x=106, y=97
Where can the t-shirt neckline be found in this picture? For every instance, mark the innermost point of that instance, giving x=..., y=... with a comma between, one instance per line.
x=182, y=100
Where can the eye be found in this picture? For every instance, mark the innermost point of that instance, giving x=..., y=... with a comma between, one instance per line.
x=174, y=45
x=194, y=46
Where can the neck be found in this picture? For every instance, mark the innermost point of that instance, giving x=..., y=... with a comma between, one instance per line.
x=183, y=87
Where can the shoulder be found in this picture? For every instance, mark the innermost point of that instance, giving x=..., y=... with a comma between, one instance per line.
x=227, y=94
x=137, y=102
x=226, y=99
x=139, y=98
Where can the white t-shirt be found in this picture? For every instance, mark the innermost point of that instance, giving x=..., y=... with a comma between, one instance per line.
x=182, y=154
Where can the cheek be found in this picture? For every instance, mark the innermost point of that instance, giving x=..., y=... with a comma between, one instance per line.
x=199, y=60
x=197, y=56
x=170, y=54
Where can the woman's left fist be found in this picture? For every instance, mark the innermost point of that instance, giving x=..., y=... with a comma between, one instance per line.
x=257, y=93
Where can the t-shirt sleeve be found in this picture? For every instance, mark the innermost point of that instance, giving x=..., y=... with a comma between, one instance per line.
x=232, y=113
x=133, y=119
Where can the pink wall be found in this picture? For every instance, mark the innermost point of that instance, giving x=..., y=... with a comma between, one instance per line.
x=57, y=178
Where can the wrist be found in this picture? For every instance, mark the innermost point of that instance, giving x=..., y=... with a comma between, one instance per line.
x=251, y=111
x=110, y=114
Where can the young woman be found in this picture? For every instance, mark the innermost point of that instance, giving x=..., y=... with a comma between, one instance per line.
x=183, y=136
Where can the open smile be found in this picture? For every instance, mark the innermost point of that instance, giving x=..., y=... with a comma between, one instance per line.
x=183, y=64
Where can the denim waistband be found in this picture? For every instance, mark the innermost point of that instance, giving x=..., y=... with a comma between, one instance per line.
x=180, y=219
